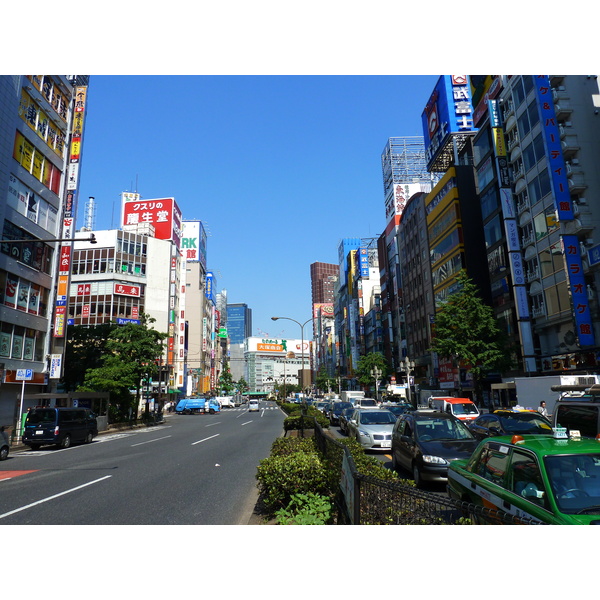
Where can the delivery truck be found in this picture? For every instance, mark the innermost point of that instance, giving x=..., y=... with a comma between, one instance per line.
x=191, y=406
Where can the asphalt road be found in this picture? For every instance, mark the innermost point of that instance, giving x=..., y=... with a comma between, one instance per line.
x=192, y=470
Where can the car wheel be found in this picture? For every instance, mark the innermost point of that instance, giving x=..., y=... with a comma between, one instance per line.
x=4, y=453
x=89, y=437
x=417, y=476
x=66, y=441
x=212, y=411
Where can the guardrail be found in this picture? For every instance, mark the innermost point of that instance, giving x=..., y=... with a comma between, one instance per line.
x=366, y=500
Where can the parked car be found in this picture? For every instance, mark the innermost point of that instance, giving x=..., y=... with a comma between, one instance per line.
x=345, y=416
x=4, y=445
x=551, y=479
x=59, y=426
x=425, y=442
x=335, y=410
x=322, y=405
x=253, y=406
x=397, y=409
x=506, y=422
x=372, y=428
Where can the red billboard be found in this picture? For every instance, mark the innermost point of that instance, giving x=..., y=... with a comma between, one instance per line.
x=162, y=213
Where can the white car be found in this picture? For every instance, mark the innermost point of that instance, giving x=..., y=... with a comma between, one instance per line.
x=253, y=406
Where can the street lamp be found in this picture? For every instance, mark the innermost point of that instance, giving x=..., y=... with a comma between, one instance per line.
x=92, y=239
x=376, y=373
x=408, y=366
x=302, y=338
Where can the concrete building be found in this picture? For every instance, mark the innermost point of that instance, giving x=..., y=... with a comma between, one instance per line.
x=41, y=133
x=323, y=277
x=274, y=362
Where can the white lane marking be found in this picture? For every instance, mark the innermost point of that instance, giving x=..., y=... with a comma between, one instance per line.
x=150, y=441
x=204, y=440
x=246, y=423
x=12, y=512
x=211, y=424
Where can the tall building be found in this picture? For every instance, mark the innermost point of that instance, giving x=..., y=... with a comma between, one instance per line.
x=536, y=154
x=323, y=278
x=41, y=132
x=198, y=309
x=239, y=327
x=404, y=170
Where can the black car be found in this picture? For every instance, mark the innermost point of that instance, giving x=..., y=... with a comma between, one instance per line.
x=335, y=410
x=425, y=442
x=509, y=422
x=344, y=417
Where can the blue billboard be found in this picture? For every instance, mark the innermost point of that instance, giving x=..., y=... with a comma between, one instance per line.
x=556, y=161
x=448, y=112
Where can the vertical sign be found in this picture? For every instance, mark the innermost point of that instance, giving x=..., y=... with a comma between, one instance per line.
x=556, y=161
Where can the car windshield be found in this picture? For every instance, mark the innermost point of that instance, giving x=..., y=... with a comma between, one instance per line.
x=441, y=429
x=466, y=408
x=379, y=417
x=575, y=482
x=368, y=402
x=525, y=423
x=398, y=410
x=340, y=406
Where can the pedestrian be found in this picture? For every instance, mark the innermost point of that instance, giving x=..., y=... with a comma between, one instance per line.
x=542, y=409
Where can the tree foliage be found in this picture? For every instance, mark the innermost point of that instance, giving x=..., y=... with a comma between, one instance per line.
x=131, y=354
x=368, y=363
x=324, y=381
x=466, y=331
x=226, y=384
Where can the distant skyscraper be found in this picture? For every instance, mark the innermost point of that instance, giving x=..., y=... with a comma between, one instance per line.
x=322, y=281
x=239, y=322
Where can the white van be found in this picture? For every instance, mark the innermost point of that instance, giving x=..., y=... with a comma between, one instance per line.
x=462, y=408
x=253, y=406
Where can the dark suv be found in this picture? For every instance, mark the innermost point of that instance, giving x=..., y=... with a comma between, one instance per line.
x=59, y=426
x=425, y=442
x=335, y=410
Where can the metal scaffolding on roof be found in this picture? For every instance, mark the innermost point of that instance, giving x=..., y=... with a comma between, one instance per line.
x=403, y=161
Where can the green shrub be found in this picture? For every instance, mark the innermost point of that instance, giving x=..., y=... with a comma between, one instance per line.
x=305, y=509
x=279, y=477
x=288, y=445
x=369, y=465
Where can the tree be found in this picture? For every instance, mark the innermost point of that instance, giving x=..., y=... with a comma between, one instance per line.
x=226, y=384
x=324, y=382
x=132, y=354
x=85, y=350
x=368, y=363
x=242, y=385
x=466, y=332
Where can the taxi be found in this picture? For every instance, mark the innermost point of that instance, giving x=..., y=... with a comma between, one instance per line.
x=547, y=479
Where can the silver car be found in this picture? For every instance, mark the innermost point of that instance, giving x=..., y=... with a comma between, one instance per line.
x=372, y=428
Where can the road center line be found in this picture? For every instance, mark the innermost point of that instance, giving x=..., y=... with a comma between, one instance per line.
x=211, y=424
x=12, y=512
x=150, y=441
x=204, y=440
x=246, y=423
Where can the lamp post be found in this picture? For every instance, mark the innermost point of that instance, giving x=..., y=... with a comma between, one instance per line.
x=376, y=373
x=302, y=342
x=408, y=366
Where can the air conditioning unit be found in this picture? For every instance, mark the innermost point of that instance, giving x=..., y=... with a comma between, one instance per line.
x=574, y=161
x=581, y=200
x=568, y=124
x=589, y=241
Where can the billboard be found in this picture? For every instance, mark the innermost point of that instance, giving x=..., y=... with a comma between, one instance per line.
x=162, y=213
x=193, y=242
x=448, y=114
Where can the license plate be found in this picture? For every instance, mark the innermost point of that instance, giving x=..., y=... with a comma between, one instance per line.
x=386, y=444
x=39, y=433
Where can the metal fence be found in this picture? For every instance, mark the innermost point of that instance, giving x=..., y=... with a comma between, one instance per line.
x=366, y=500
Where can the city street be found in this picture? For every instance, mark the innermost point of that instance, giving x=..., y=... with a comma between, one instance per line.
x=192, y=470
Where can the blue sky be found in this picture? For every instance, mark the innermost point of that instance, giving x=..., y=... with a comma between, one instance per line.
x=279, y=168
